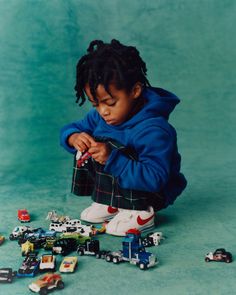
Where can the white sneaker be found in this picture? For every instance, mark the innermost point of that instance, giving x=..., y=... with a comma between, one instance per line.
x=97, y=213
x=127, y=219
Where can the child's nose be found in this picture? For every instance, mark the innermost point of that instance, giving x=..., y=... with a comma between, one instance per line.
x=104, y=111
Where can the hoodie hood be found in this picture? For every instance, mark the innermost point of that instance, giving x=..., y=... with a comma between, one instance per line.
x=160, y=103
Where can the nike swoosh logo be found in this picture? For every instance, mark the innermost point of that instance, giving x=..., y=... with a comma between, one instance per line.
x=144, y=221
x=111, y=210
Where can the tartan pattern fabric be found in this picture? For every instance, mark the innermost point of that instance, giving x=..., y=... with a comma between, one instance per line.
x=105, y=189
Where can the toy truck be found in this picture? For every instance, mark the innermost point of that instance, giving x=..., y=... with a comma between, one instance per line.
x=133, y=251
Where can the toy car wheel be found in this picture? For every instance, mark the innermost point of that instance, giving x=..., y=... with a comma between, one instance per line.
x=9, y=280
x=98, y=255
x=60, y=285
x=207, y=259
x=11, y=237
x=228, y=260
x=108, y=258
x=142, y=266
x=80, y=252
x=43, y=291
x=115, y=260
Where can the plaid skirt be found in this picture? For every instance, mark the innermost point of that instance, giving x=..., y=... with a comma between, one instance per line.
x=104, y=188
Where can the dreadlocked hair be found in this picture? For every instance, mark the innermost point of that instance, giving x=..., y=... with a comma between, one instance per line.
x=109, y=62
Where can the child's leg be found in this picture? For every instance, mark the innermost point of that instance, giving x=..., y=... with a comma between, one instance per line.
x=83, y=184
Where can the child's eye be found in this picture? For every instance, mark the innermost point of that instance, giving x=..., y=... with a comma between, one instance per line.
x=111, y=104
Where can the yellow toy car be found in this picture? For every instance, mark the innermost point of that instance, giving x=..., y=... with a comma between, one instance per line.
x=69, y=264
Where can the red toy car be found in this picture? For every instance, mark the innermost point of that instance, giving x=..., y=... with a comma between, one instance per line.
x=23, y=215
x=82, y=159
x=47, y=283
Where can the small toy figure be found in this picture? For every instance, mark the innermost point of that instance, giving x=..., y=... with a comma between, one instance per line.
x=27, y=248
x=82, y=159
x=7, y=275
x=47, y=262
x=54, y=217
x=68, y=264
x=23, y=215
x=47, y=283
x=2, y=239
x=219, y=255
x=152, y=239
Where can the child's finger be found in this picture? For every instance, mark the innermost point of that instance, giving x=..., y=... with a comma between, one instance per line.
x=89, y=139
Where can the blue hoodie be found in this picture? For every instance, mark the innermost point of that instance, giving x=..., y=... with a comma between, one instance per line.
x=148, y=133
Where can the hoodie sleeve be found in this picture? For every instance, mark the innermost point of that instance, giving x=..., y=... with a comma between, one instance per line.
x=154, y=146
x=87, y=125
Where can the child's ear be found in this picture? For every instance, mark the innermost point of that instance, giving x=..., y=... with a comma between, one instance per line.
x=137, y=89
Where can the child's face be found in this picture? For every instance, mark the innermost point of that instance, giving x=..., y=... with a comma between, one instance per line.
x=118, y=108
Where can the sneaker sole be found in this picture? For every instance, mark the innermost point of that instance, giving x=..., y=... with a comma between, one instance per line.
x=98, y=220
x=142, y=229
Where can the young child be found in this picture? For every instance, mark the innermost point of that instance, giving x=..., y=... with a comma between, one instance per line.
x=134, y=169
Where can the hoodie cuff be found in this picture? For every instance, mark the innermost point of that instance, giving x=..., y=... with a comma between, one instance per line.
x=64, y=140
x=116, y=163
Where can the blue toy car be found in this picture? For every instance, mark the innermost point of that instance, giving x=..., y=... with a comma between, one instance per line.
x=37, y=235
x=29, y=267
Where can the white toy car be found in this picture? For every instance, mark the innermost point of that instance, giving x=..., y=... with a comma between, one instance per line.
x=73, y=225
x=18, y=231
x=47, y=262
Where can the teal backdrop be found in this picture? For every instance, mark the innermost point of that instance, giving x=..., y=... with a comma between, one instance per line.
x=189, y=49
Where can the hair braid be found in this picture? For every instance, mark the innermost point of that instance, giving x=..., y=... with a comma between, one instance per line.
x=109, y=62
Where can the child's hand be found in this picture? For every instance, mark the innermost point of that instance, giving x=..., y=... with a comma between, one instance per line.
x=100, y=152
x=81, y=141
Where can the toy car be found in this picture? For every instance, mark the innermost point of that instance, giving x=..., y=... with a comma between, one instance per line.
x=219, y=255
x=82, y=159
x=18, y=231
x=29, y=266
x=47, y=283
x=73, y=225
x=47, y=262
x=77, y=236
x=152, y=239
x=23, y=215
x=7, y=275
x=49, y=243
x=68, y=264
x=2, y=239
x=64, y=246
x=38, y=235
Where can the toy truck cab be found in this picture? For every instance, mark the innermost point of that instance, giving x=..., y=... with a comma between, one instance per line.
x=90, y=247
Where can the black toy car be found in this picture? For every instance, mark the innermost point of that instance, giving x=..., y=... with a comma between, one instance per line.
x=64, y=246
x=219, y=255
x=7, y=275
